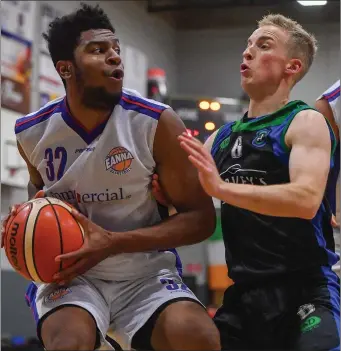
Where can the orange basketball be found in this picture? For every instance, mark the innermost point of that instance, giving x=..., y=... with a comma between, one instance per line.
x=41, y=230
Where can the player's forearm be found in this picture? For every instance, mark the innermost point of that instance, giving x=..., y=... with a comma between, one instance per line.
x=282, y=200
x=182, y=229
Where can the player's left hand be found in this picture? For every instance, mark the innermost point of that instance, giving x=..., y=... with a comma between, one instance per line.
x=203, y=161
x=96, y=248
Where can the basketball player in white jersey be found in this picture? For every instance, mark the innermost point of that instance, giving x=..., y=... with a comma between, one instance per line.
x=97, y=149
x=329, y=105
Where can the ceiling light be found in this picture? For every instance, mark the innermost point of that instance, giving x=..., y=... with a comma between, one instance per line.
x=215, y=106
x=204, y=105
x=312, y=2
x=209, y=126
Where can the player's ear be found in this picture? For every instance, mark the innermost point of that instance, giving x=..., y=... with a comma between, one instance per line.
x=294, y=66
x=64, y=69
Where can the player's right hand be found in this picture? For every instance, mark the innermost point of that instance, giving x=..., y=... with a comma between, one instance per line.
x=12, y=212
x=157, y=192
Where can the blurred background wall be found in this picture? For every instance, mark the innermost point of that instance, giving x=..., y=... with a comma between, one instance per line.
x=181, y=52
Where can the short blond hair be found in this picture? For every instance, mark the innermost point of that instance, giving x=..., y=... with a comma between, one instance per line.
x=302, y=44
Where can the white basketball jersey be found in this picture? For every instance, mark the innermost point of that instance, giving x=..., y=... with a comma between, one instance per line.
x=332, y=95
x=106, y=173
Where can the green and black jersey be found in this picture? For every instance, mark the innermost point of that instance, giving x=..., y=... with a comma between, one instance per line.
x=253, y=151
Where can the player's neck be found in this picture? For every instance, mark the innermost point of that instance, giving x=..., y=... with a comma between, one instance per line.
x=266, y=105
x=89, y=118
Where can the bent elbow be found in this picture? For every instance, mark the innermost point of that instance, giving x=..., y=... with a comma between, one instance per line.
x=309, y=210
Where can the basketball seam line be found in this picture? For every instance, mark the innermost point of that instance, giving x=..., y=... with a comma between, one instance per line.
x=33, y=238
x=24, y=242
x=60, y=231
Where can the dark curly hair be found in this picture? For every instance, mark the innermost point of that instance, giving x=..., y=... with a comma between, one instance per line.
x=64, y=33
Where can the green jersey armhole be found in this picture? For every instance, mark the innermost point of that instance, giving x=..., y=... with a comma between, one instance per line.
x=282, y=139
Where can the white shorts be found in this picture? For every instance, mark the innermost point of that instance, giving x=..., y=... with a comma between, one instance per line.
x=125, y=306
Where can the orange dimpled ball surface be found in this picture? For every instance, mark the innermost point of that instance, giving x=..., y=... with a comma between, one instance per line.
x=41, y=230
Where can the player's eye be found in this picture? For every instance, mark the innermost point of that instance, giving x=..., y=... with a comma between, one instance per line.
x=97, y=50
x=118, y=51
x=264, y=46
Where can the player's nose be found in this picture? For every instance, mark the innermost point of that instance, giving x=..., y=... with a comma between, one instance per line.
x=247, y=55
x=114, y=58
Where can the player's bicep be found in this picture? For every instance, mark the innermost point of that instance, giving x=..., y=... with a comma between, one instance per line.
x=178, y=178
x=309, y=163
x=35, y=177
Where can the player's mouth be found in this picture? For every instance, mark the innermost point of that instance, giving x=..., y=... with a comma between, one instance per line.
x=117, y=74
x=244, y=68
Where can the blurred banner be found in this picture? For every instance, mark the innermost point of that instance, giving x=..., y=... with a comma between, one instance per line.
x=50, y=83
x=135, y=69
x=157, y=84
x=47, y=14
x=17, y=18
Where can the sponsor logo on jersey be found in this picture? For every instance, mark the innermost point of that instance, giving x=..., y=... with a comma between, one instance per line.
x=310, y=324
x=119, y=160
x=232, y=175
x=105, y=196
x=86, y=149
x=57, y=294
x=225, y=143
x=305, y=310
x=236, y=151
x=260, y=138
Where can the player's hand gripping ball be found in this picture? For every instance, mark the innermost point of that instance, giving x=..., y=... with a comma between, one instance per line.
x=39, y=231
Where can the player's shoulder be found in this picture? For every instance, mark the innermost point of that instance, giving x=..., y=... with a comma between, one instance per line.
x=309, y=115
x=220, y=136
x=133, y=101
x=332, y=93
x=41, y=115
x=309, y=124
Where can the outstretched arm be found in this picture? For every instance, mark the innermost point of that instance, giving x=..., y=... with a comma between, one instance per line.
x=308, y=138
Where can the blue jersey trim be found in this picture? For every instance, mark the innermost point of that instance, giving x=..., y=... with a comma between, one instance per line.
x=333, y=284
x=35, y=118
x=334, y=97
x=30, y=297
x=317, y=224
x=178, y=263
x=143, y=106
x=87, y=135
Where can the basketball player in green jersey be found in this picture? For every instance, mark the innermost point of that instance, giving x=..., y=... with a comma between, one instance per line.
x=269, y=169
